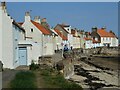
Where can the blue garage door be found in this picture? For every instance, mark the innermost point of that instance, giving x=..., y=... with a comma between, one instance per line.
x=23, y=56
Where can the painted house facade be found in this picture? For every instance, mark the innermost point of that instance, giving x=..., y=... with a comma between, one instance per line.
x=63, y=34
x=76, y=39
x=60, y=39
x=88, y=40
x=68, y=35
x=11, y=35
x=17, y=48
x=37, y=33
x=103, y=38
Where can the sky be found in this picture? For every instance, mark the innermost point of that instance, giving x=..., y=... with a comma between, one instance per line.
x=81, y=15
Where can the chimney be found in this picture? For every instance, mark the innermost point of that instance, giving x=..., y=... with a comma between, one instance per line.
x=37, y=19
x=3, y=5
x=27, y=16
x=94, y=29
x=103, y=28
x=44, y=20
x=27, y=13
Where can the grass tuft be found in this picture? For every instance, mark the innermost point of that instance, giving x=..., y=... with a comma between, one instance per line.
x=55, y=79
x=24, y=79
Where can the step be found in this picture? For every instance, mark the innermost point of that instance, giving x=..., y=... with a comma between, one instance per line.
x=23, y=67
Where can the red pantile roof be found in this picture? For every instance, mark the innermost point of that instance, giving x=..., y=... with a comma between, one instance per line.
x=20, y=23
x=104, y=33
x=15, y=23
x=87, y=38
x=62, y=26
x=61, y=35
x=41, y=28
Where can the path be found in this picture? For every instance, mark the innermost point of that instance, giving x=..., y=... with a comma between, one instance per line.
x=7, y=76
x=57, y=57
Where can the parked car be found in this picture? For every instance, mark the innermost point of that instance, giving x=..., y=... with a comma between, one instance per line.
x=1, y=66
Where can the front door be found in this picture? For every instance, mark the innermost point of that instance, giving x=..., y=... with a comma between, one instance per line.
x=23, y=56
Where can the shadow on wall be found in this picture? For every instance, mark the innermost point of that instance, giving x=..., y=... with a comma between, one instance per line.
x=1, y=66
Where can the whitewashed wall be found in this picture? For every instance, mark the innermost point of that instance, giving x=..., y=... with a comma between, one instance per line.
x=38, y=37
x=112, y=40
x=10, y=38
x=0, y=34
x=88, y=44
x=70, y=39
x=7, y=41
x=59, y=41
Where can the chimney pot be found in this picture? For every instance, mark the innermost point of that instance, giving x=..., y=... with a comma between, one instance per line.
x=104, y=28
x=94, y=29
x=44, y=20
x=3, y=5
x=27, y=16
x=27, y=13
x=37, y=19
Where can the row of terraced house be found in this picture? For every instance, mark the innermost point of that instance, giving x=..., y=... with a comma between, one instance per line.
x=23, y=42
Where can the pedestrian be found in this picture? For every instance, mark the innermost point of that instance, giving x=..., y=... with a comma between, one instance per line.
x=65, y=48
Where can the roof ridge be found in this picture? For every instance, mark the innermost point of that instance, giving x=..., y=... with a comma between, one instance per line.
x=41, y=28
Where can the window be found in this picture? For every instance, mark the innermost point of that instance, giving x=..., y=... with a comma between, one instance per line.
x=103, y=39
x=16, y=40
x=106, y=38
x=31, y=29
x=110, y=38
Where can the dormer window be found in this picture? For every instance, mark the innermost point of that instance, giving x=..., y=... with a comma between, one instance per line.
x=31, y=30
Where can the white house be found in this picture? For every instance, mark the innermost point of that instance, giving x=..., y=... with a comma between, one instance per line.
x=61, y=40
x=62, y=36
x=57, y=40
x=76, y=40
x=103, y=38
x=37, y=33
x=68, y=35
x=11, y=54
x=88, y=40
x=16, y=48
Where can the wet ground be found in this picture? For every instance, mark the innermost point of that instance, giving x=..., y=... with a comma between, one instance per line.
x=97, y=73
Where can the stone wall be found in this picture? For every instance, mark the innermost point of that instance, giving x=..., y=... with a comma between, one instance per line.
x=103, y=50
x=66, y=66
